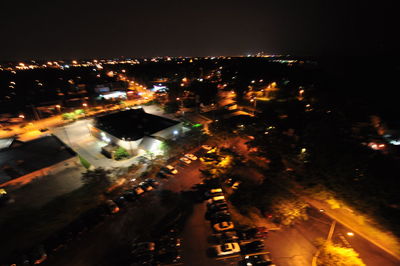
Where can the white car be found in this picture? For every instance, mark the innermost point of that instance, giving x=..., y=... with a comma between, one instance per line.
x=171, y=169
x=185, y=160
x=191, y=156
x=227, y=249
x=207, y=147
x=223, y=226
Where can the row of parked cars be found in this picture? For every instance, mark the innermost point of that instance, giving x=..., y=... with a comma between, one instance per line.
x=230, y=240
x=169, y=171
x=115, y=205
x=165, y=250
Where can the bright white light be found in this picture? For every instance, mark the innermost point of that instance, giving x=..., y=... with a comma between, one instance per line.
x=114, y=94
x=395, y=142
x=176, y=132
x=159, y=88
x=105, y=138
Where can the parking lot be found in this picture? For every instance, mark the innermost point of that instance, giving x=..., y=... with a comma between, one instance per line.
x=198, y=236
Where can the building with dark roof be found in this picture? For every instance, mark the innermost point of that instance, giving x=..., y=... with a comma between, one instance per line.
x=135, y=129
x=30, y=158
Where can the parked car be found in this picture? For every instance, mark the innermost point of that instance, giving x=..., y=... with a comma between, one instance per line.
x=38, y=255
x=152, y=182
x=130, y=196
x=255, y=232
x=227, y=249
x=185, y=160
x=171, y=169
x=260, y=260
x=191, y=156
x=220, y=216
x=138, y=190
x=143, y=247
x=217, y=199
x=208, y=160
x=223, y=226
x=214, y=192
x=235, y=185
x=226, y=237
x=255, y=246
x=112, y=207
x=207, y=147
x=163, y=174
x=3, y=196
x=218, y=207
x=146, y=186
x=120, y=201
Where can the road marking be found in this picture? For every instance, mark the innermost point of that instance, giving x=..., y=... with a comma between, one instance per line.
x=331, y=230
x=345, y=241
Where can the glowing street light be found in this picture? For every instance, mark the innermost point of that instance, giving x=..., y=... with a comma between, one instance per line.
x=58, y=108
x=350, y=233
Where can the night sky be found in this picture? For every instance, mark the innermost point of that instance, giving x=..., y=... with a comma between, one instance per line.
x=105, y=28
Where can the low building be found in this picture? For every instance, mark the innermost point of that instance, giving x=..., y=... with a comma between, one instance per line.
x=39, y=157
x=135, y=129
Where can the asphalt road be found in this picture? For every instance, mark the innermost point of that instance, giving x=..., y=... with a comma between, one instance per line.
x=295, y=246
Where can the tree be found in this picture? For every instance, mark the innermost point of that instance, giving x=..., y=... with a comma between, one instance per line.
x=121, y=154
x=334, y=255
x=289, y=210
x=98, y=176
x=171, y=107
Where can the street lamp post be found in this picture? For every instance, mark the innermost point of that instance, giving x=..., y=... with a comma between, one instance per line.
x=181, y=105
x=254, y=100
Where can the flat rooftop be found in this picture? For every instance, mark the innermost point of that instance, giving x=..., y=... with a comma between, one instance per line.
x=132, y=124
x=32, y=156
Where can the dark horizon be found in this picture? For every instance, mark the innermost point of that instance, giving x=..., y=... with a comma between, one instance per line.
x=100, y=29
